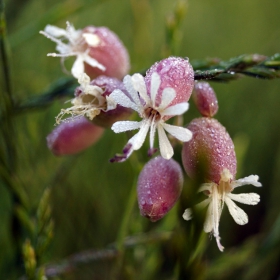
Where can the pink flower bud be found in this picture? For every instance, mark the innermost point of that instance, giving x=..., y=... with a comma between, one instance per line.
x=159, y=187
x=205, y=99
x=176, y=73
x=73, y=136
x=110, y=52
x=212, y=143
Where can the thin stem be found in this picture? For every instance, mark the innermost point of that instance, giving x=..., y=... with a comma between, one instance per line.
x=5, y=58
x=70, y=263
x=252, y=65
x=124, y=227
x=6, y=100
x=8, y=145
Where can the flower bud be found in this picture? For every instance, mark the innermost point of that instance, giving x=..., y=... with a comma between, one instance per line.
x=212, y=144
x=72, y=136
x=159, y=187
x=205, y=99
x=176, y=73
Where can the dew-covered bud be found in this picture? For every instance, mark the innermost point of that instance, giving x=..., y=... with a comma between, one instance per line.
x=212, y=144
x=110, y=52
x=73, y=136
x=205, y=99
x=176, y=73
x=159, y=187
x=98, y=50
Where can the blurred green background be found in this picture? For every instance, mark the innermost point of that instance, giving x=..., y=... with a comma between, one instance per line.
x=89, y=195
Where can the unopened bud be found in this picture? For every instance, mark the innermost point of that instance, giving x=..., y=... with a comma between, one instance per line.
x=72, y=136
x=205, y=99
x=159, y=187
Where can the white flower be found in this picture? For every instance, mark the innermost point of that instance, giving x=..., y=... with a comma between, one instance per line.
x=153, y=116
x=76, y=44
x=89, y=102
x=220, y=194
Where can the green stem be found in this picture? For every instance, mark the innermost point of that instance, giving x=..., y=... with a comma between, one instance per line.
x=5, y=58
x=8, y=145
x=124, y=227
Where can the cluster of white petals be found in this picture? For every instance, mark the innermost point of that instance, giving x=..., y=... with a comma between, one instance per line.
x=152, y=115
x=89, y=102
x=220, y=194
x=71, y=42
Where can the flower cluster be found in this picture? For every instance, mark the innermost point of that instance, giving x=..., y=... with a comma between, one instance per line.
x=107, y=96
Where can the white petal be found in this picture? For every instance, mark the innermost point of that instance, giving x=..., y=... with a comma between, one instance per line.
x=207, y=187
x=94, y=91
x=55, y=31
x=93, y=62
x=92, y=39
x=155, y=82
x=181, y=133
x=239, y=216
x=84, y=80
x=78, y=67
x=122, y=126
x=61, y=47
x=138, y=139
x=216, y=211
x=250, y=180
x=203, y=203
x=152, y=134
x=168, y=95
x=123, y=100
x=208, y=223
x=245, y=198
x=175, y=110
x=140, y=86
x=166, y=150
x=127, y=81
x=111, y=104
x=187, y=214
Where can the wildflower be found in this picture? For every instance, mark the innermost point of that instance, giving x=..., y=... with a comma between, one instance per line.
x=154, y=115
x=89, y=101
x=73, y=136
x=220, y=194
x=159, y=187
x=97, y=50
x=212, y=145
